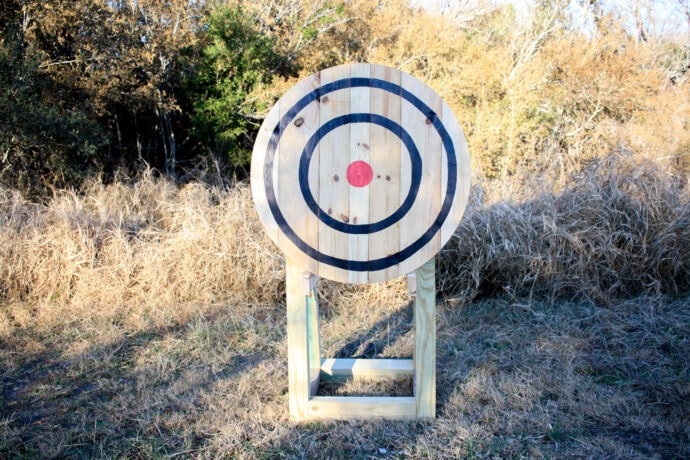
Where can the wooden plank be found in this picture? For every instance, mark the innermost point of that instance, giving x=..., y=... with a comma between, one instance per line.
x=463, y=171
x=428, y=203
x=411, y=284
x=303, y=222
x=297, y=338
x=385, y=160
x=425, y=341
x=352, y=407
x=373, y=369
x=257, y=172
x=334, y=157
x=359, y=151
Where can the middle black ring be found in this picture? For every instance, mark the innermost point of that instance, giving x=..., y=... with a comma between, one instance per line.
x=416, y=172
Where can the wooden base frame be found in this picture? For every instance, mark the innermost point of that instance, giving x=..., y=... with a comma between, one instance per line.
x=306, y=368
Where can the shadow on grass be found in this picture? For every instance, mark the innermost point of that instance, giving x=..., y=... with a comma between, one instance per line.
x=372, y=342
x=533, y=379
x=135, y=396
x=515, y=378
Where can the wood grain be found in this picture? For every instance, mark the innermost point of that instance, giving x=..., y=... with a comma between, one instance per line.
x=333, y=159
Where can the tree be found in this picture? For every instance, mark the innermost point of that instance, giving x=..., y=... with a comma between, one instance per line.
x=127, y=58
x=45, y=141
x=236, y=60
x=163, y=53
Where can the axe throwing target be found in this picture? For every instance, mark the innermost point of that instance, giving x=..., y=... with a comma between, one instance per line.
x=360, y=173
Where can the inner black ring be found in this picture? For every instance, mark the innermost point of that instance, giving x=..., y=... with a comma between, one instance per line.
x=305, y=161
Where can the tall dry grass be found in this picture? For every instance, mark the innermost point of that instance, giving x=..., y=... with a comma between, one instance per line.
x=147, y=250
x=620, y=229
x=133, y=250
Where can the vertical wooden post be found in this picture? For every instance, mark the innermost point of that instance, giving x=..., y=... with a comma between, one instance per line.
x=298, y=341
x=425, y=340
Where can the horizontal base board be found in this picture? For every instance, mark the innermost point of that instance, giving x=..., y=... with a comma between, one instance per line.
x=335, y=370
x=362, y=407
x=372, y=369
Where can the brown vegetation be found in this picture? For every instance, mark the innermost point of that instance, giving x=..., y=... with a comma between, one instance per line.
x=620, y=229
x=144, y=318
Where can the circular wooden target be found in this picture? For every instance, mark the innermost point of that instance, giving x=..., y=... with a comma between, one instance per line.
x=360, y=173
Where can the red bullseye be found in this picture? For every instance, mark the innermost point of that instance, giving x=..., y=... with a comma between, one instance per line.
x=359, y=173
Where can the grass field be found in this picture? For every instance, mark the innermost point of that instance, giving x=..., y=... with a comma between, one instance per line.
x=144, y=320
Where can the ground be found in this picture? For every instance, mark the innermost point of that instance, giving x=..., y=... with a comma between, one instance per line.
x=517, y=377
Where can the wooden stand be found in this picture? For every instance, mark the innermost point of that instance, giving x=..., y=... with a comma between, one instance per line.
x=306, y=367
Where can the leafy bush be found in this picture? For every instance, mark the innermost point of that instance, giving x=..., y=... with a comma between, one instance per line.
x=236, y=61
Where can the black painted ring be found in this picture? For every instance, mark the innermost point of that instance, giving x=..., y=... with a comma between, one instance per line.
x=383, y=262
x=416, y=167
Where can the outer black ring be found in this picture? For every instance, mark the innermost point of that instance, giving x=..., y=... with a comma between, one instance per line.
x=383, y=262
x=415, y=160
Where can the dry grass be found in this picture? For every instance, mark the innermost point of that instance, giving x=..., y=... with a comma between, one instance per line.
x=128, y=251
x=622, y=228
x=516, y=378
x=145, y=320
